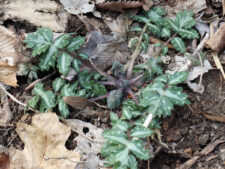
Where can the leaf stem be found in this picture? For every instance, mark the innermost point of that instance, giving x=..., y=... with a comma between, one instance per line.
x=129, y=66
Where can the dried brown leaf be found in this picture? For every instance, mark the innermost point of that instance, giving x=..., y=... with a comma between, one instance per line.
x=104, y=50
x=44, y=143
x=217, y=40
x=43, y=13
x=117, y=25
x=8, y=74
x=78, y=102
x=119, y=5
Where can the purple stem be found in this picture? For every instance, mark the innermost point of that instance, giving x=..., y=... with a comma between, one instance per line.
x=100, y=97
x=136, y=78
x=110, y=83
x=132, y=95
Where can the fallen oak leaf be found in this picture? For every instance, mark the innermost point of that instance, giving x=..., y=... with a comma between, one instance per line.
x=45, y=144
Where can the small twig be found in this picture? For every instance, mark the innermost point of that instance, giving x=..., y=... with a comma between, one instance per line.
x=66, y=158
x=110, y=78
x=99, y=97
x=136, y=78
x=201, y=64
x=15, y=99
x=30, y=86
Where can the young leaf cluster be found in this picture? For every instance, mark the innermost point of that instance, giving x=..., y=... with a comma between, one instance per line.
x=47, y=48
x=125, y=140
x=164, y=28
x=48, y=100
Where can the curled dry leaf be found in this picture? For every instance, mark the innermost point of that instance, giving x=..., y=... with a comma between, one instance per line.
x=104, y=50
x=217, y=42
x=88, y=141
x=8, y=74
x=44, y=143
x=78, y=6
x=43, y=13
x=117, y=25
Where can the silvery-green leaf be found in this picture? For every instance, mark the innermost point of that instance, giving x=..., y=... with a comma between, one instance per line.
x=34, y=102
x=138, y=29
x=130, y=109
x=113, y=117
x=132, y=162
x=188, y=33
x=176, y=96
x=178, y=44
x=108, y=149
x=47, y=97
x=144, y=47
x=76, y=43
x=121, y=125
x=164, y=50
x=40, y=40
x=58, y=83
x=137, y=148
x=63, y=63
x=154, y=29
x=169, y=23
x=67, y=90
x=76, y=64
x=177, y=77
x=141, y=18
x=185, y=19
x=165, y=33
x=140, y=132
x=62, y=41
x=115, y=136
x=63, y=108
x=47, y=59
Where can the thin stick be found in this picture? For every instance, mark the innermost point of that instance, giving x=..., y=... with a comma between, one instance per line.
x=99, y=97
x=129, y=66
x=15, y=99
x=200, y=80
x=30, y=86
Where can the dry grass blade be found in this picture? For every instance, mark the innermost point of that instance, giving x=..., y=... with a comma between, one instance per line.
x=218, y=64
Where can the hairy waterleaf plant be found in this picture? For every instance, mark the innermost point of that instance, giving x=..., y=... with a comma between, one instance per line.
x=161, y=96
x=48, y=49
x=122, y=150
x=167, y=28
